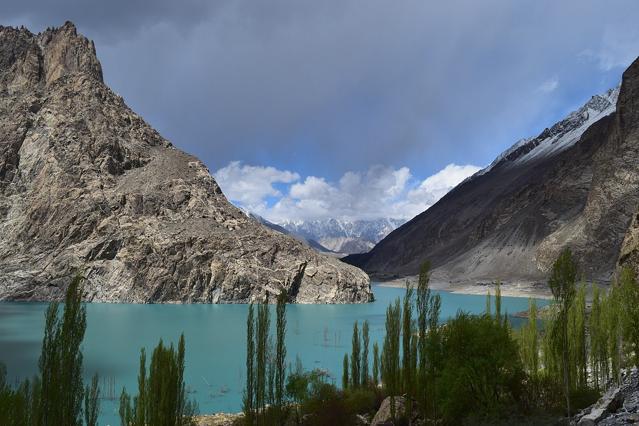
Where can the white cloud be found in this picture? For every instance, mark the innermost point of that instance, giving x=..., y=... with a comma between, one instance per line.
x=378, y=192
x=549, y=85
x=249, y=186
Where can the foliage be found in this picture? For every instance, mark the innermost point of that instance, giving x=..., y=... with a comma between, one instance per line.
x=481, y=372
x=562, y=284
x=161, y=398
x=364, y=380
x=355, y=358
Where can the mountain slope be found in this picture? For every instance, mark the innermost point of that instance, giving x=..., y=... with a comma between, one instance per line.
x=344, y=236
x=576, y=185
x=87, y=186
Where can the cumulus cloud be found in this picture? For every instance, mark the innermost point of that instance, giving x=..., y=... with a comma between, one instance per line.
x=250, y=186
x=379, y=192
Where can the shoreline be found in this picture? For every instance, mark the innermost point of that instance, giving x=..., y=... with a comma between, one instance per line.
x=536, y=290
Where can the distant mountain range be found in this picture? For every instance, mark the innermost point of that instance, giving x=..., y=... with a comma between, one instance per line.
x=574, y=185
x=343, y=236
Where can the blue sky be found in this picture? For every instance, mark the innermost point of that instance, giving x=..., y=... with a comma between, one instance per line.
x=389, y=92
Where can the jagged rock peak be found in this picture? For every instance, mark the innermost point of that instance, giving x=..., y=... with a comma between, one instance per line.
x=86, y=185
x=28, y=60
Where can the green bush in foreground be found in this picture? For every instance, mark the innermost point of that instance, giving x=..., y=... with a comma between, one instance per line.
x=161, y=398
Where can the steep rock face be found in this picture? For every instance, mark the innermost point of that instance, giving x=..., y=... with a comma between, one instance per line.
x=575, y=185
x=87, y=186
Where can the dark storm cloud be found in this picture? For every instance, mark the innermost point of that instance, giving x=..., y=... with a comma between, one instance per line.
x=107, y=19
x=323, y=87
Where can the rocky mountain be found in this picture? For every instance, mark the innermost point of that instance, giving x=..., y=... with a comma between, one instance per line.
x=576, y=184
x=86, y=186
x=343, y=236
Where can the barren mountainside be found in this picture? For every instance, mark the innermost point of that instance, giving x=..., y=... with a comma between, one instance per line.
x=575, y=185
x=86, y=186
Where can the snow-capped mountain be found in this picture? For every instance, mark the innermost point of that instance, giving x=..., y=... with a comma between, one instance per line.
x=343, y=236
x=308, y=241
x=560, y=136
x=574, y=185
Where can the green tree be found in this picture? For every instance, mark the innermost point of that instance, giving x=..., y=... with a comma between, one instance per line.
x=408, y=375
x=629, y=298
x=163, y=391
x=280, y=351
x=92, y=402
x=61, y=360
x=375, y=364
x=423, y=301
x=530, y=341
x=391, y=371
x=345, y=375
x=365, y=344
x=481, y=373
x=577, y=339
x=355, y=358
x=261, y=353
x=562, y=284
x=498, y=300
x=139, y=403
x=598, y=340
x=249, y=390
x=125, y=410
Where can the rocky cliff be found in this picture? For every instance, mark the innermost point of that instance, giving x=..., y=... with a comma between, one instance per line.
x=87, y=186
x=575, y=185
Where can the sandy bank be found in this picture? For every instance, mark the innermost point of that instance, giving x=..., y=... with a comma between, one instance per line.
x=536, y=290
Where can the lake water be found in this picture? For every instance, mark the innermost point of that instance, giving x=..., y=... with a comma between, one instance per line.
x=215, y=341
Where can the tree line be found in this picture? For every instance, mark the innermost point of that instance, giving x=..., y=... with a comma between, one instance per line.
x=471, y=369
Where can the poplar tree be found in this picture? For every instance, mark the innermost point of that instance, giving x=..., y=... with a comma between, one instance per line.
x=407, y=322
x=630, y=312
x=345, y=375
x=162, y=392
x=408, y=374
x=562, y=284
x=598, y=341
x=280, y=356
x=261, y=349
x=577, y=339
x=391, y=371
x=249, y=391
x=498, y=301
x=365, y=343
x=139, y=405
x=62, y=389
x=530, y=341
x=92, y=402
x=375, y=364
x=355, y=358
x=612, y=311
x=433, y=345
x=423, y=303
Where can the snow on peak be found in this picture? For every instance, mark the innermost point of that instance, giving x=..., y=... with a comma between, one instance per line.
x=560, y=136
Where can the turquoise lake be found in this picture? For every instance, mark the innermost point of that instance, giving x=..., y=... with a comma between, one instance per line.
x=215, y=341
